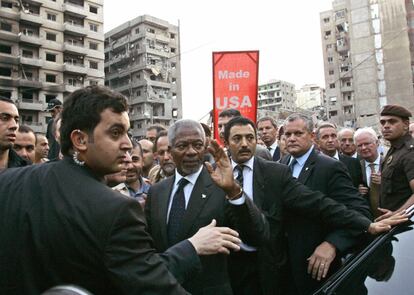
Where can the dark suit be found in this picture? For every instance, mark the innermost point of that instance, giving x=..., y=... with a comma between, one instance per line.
x=354, y=169
x=275, y=191
x=329, y=176
x=61, y=225
x=207, y=202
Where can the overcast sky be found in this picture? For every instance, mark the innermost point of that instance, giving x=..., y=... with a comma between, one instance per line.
x=287, y=34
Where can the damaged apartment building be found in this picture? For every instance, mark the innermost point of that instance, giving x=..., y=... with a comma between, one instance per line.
x=142, y=61
x=48, y=49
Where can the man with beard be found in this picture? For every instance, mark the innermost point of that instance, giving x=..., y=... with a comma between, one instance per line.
x=166, y=166
x=41, y=149
x=25, y=143
x=137, y=186
x=76, y=230
x=181, y=204
x=9, y=123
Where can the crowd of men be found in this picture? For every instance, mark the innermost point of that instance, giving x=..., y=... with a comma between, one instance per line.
x=272, y=211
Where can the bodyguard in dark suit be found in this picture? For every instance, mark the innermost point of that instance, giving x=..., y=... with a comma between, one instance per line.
x=273, y=189
x=62, y=225
x=175, y=211
x=327, y=139
x=267, y=128
x=311, y=242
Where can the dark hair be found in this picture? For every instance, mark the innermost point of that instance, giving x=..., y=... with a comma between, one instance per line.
x=136, y=144
x=207, y=130
x=263, y=119
x=308, y=121
x=27, y=129
x=324, y=125
x=5, y=99
x=156, y=127
x=230, y=113
x=163, y=133
x=237, y=121
x=82, y=110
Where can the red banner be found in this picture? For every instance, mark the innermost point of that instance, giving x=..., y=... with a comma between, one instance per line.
x=235, y=78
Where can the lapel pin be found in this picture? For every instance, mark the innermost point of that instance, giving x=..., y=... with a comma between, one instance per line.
x=203, y=196
x=307, y=168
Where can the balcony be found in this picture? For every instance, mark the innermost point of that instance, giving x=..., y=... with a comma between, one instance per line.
x=35, y=2
x=9, y=59
x=75, y=10
x=76, y=49
x=74, y=29
x=30, y=83
x=77, y=69
x=70, y=88
x=8, y=36
x=95, y=73
x=119, y=42
x=31, y=18
x=35, y=62
x=29, y=104
x=346, y=88
x=32, y=40
x=162, y=38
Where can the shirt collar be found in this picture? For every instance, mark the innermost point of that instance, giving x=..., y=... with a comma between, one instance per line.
x=376, y=162
x=336, y=156
x=143, y=188
x=192, y=178
x=274, y=145
x=249, y=163
x=302, y=159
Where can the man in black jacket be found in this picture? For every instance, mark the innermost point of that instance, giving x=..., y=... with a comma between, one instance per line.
x=63, y=225
x=273, y=190
x=311, y=242
x=327, y=139
x=9, y=123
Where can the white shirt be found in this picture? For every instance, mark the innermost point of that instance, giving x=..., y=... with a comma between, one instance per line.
x=272, y=148
x=368, y=169
x=297, y=168
x=336, y=156
x=188, y=189
x=247, y=191
x=247, y=177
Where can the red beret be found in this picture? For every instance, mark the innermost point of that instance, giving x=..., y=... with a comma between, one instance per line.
x=395, y=110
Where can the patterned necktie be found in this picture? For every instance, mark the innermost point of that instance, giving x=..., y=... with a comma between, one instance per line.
x=374, y=191
x=239, y=177
x=176, y=213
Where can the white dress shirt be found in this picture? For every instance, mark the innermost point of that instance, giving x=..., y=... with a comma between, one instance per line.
x=300, y=162
x=272, y=148
x=247, y=190
x=188, y=189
